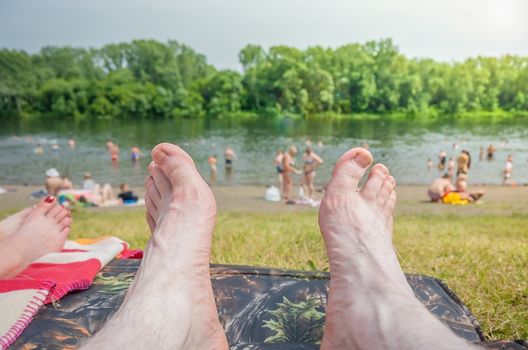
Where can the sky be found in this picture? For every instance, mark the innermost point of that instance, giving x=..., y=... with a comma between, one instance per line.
x=445, y=30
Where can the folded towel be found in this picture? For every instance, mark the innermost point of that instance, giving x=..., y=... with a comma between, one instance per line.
x=50, y=278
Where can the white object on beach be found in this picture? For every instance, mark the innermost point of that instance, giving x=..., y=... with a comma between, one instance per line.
x=272, y=194
x=2, y=190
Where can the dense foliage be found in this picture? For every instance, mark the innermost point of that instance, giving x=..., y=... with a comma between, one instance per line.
x=149, y=79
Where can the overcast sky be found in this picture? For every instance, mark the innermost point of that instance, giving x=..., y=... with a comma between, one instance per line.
x=441, y=29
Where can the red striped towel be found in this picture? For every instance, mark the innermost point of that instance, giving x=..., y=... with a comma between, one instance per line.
x=50, y=278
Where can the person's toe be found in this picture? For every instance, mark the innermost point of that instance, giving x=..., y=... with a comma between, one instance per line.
x=152, y=191
x=385, y=191
x=375, y=181
x=151, y=222
x=177, y=165
x=349, y=169
x=160, y=185
x=65, y=222
x=56, y=212
x=390, y=204
x=61, y=214
x=152, y=207
x=44, y=206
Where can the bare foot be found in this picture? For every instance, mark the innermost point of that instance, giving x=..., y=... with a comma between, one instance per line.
x=170, y=304
x=370, y=303
x=13, y=222
x=44, y=230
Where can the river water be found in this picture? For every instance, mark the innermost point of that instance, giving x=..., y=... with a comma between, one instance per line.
x=403, y=145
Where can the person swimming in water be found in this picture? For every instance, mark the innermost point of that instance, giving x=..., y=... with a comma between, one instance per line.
x=311, y=161
x=508, y=168
x=135, y=154
x=214, y=170
x=442, y=156
x=114, y=152
x=491, y=152
x=230, y=156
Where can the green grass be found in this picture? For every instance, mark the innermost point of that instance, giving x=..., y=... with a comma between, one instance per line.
x=483, y=259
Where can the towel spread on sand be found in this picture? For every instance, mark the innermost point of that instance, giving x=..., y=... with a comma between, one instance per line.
x=50, y=278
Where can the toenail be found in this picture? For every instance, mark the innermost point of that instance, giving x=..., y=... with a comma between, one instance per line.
x=362, y=159
x=49, y=199
x=384, y=170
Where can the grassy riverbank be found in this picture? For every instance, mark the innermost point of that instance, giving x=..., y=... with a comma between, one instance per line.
x=482, y=258
x=481, y=251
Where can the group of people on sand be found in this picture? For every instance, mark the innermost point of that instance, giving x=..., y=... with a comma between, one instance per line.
x=171, y=305
x=286, y=167
x=442, y=190
x=89, y=194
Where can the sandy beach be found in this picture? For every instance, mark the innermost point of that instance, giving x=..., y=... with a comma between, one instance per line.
x=411, y=200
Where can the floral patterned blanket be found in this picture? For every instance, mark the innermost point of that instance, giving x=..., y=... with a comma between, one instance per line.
x=259, y=308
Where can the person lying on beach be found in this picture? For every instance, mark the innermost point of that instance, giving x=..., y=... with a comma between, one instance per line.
x=32, y=233
x=96, y=194
x=439, y=188
x=461, y=187
x=170, y=304
x=126, y=195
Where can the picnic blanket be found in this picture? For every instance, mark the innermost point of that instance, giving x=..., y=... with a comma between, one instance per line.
x=259, y=309
x=49, y=279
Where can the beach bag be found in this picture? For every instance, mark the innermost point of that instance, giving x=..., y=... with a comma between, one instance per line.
x=272, y=194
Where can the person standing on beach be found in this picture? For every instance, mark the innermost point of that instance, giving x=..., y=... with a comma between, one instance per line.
x=507, y=172
x=278, y=166
x=288, y=170
x=214, y=170
x=311, y=161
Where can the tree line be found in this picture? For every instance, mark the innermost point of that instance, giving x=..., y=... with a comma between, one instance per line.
x=150, y=79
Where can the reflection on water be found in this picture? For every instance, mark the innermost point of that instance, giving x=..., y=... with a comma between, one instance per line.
x=404, y=145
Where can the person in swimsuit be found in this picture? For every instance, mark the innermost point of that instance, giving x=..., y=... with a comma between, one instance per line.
x=135, y=154
x=442, y=160
x=439, y=188
x=288, y=169
x=507, y=172
x=491, y=152
x=278, y=166
x=114, y=153
x=214, y=170
x=230, y=156
x=451, y=168
x=461, y=187
x=311, y=161
x=464, y=163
